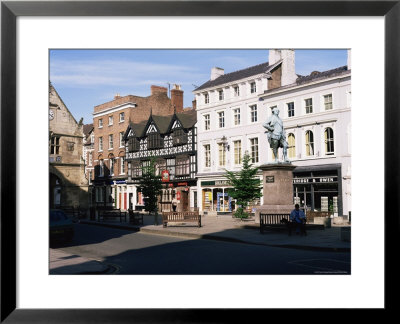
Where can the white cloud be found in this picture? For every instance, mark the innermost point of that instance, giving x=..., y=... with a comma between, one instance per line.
x=116, y=73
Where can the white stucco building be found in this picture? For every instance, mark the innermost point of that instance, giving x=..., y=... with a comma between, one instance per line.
x=315, y=110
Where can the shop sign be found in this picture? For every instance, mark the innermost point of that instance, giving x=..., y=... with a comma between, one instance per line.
x=215, y=183
x=178, y=195
x=315, y=180
x=182, y=184
x=165, y=176
x=120, y=182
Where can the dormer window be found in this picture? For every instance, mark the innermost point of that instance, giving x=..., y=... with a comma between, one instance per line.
x=180, y=137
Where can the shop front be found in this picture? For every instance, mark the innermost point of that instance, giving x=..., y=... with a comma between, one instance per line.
x=176, y=190
x=319, y=188
x=215, y=196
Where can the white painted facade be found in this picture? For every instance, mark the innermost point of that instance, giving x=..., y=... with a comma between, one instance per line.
x=337, y=118
x=212, y=132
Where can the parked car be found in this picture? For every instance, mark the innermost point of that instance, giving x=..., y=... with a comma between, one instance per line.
x=61, y=227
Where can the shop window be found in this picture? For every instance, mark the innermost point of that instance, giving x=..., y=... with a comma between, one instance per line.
x=329, y=141
x=309, y=143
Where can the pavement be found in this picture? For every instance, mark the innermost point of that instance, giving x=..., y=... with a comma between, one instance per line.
x=222, y=228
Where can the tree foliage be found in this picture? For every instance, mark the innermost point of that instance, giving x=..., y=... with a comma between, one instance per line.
x=246, y=185
x=150, y=186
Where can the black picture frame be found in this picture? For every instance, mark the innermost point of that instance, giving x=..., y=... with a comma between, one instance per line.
x=10, y=10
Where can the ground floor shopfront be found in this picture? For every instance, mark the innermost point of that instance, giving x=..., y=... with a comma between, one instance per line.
x=183, y=191
x=322, y=188
x=114, y=194
x=212, y=195
x=125, y=195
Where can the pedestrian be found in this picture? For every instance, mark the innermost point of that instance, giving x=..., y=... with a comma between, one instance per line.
x=298, y=219
x=174, y=204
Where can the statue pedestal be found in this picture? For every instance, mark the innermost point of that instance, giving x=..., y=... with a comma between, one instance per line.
x=277, y=189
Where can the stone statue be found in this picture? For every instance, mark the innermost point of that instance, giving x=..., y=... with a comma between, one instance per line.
x=276, y=134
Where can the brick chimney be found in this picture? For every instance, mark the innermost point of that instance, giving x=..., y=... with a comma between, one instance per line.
x=157, y=89
x=117, y=96
x=194, y=104
x=177, y=98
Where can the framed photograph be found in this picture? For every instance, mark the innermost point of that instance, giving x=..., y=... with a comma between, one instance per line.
x=29, y=29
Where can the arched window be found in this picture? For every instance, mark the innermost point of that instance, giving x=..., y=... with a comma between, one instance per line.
x=329, y=142
x=291, y=146
x=309, y=143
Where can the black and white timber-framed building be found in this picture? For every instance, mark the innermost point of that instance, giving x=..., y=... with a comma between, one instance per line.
x=172, y=141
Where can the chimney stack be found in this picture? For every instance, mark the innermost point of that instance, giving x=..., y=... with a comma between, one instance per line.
x=117, y=96
x=157, y=89
x=288, y=64
x=177, y=98
x=216, y=72
x=349, y=59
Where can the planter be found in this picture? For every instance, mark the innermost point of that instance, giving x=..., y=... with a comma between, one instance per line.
x=327, y=222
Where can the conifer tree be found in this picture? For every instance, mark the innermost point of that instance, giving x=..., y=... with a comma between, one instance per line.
x=246, y=185
x=150, y=186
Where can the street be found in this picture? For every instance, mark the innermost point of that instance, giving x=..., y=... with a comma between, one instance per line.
x=139, y=253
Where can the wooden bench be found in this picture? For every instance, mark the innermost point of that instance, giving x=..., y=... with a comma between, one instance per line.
x=186, y=217
x=112, y=213
x=135, y=218
x=278, y=222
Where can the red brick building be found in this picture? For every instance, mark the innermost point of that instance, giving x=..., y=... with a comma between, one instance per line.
x=110, y=121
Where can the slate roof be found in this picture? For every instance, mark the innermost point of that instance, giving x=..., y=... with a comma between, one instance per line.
x=188, y=118
x=321, y=75
x=237, y=75
x=314, y=76
x=87, y=129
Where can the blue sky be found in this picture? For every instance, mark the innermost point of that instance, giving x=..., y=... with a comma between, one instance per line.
x=86, y=78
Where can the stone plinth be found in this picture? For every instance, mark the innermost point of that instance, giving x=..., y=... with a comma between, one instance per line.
x=277, y=189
